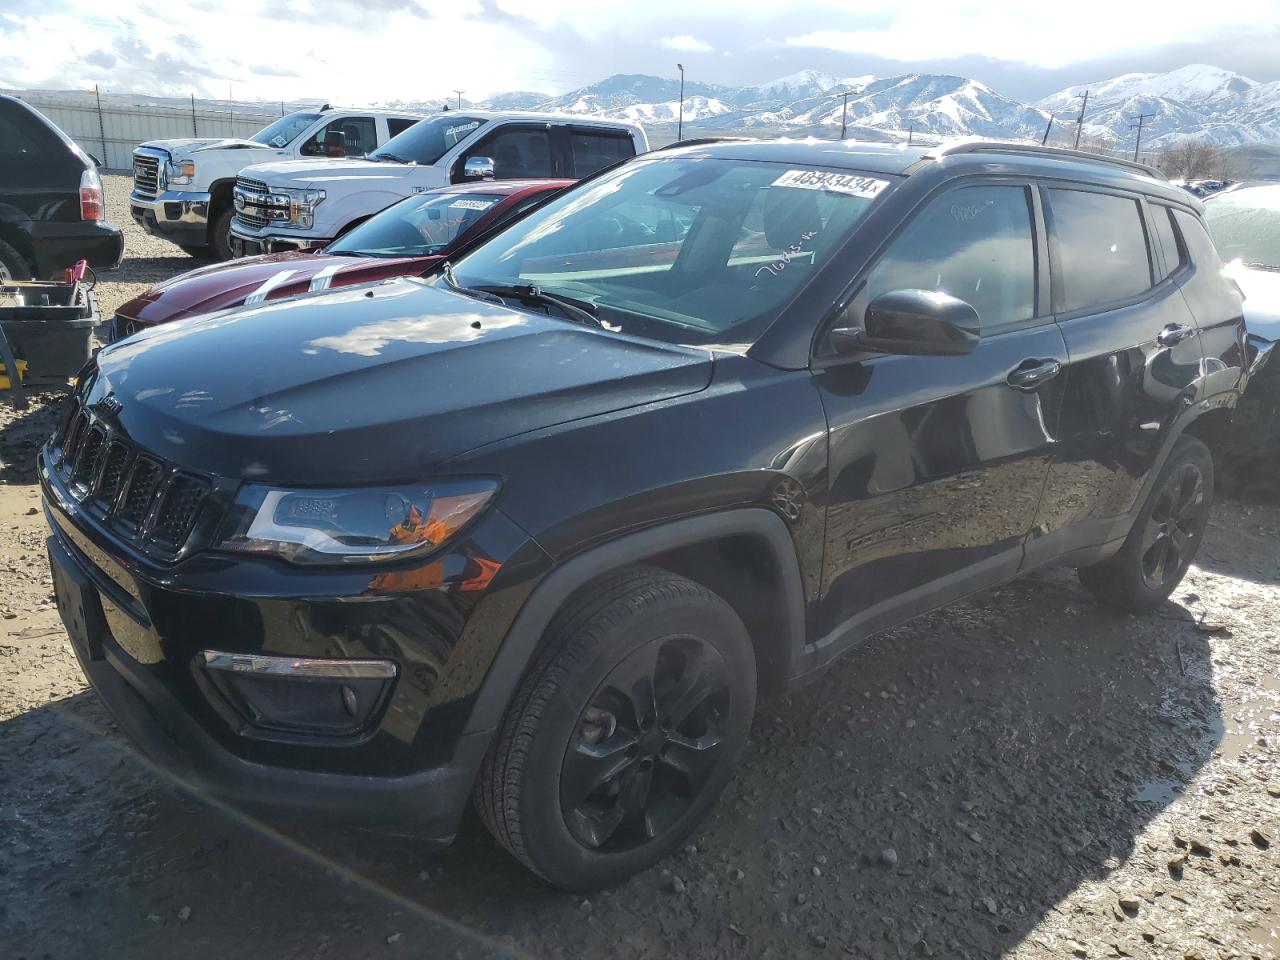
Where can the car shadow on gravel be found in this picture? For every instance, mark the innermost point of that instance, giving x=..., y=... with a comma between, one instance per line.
x=22, y=432
x=935, y=794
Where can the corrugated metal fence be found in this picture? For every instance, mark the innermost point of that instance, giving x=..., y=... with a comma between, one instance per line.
x=111, y=132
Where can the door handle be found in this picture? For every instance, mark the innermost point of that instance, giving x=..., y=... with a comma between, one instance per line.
x=1030, y=374
x=1174, y=333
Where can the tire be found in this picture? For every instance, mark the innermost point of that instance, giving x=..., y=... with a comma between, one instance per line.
x=199, y=253
x=13, y=265
x=569, y=725
x=1164, y=538
x=220, y=236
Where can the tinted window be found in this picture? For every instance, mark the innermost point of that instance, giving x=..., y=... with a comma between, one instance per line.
x=516, y=153
x=348, y=137
x=692, y=250
x=1163, y=226
x=595, y=151
x=398, y=125
x=428, y=140
x=1199, y=246
x=974, y=243
x=1101, y=247
x=20, y=134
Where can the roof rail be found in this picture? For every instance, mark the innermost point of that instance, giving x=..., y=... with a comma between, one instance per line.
x=1035, y=149
x=699, y=141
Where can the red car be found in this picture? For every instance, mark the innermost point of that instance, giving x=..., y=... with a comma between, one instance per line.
x=411, y=237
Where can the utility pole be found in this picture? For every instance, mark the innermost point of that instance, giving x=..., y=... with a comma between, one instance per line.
x=194, y=131
x=1080, y=119
x=911, y=133
x=1045, y=139
x=844, y=111
x=680, y=124
x=1142, y=118
x=459, y=93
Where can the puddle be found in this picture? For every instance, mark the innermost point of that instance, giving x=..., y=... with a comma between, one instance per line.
x=1159, y=791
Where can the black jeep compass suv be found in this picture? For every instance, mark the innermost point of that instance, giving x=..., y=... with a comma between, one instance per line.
x=537, y=532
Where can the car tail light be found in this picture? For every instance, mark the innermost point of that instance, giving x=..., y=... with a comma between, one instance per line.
x=90, y=196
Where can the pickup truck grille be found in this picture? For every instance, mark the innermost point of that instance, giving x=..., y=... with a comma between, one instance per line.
x=140, y=496
x=256, y=206
x=146, y=175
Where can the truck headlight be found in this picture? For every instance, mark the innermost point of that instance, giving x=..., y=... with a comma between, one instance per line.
x=340, y=526
x=302, y=206
x=180, y=173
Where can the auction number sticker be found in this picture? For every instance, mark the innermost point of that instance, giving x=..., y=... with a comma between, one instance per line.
x=852, y=184
x=472, y=204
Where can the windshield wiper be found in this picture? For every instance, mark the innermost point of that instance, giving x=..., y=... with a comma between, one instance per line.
x=387, y=156
x=581, y=311
x=446, y=271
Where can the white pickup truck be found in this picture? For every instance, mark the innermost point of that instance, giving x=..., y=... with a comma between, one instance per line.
x=182, y=188
x=300, y=204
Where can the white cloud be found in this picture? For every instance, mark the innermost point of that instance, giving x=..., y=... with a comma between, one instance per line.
x=686, y=44
x=1039, y=34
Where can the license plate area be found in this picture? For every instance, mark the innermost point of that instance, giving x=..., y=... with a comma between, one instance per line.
x=78, y=603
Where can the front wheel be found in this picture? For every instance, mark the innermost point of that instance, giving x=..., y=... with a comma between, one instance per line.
x=1165, y=537
x=220, y=236
x=624, y=733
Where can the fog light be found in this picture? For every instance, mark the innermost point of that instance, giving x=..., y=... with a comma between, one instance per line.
x=301, y=695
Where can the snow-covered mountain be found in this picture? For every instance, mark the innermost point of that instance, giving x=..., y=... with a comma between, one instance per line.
x=1196, y=101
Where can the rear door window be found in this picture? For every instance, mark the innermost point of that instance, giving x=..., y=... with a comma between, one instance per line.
x=1101, y=248
x=974, y=243
x=1162, y=224
x=594, y=150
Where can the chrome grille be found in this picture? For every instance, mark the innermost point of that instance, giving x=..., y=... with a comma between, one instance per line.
x=252, y=219
x=138, y=495
x=146, y=175
x=249, y=185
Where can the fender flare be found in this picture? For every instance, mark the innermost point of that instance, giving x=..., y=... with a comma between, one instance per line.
x=523, y=639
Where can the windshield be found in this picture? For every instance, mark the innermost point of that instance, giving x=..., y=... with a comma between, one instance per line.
x=285, y=130
x=682, y=249
x=428, y=140
x=418, y=226
x=1246, y=225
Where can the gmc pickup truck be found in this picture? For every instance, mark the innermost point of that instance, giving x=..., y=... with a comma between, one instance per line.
x=182, y=188
x=302, y=204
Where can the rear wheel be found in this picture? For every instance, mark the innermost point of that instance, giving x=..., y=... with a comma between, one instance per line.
x=624, y=733
x=13, y=265
x=1164, y=539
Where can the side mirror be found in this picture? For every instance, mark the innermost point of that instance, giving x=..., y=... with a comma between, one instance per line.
x=478, y=168
x=922, y=323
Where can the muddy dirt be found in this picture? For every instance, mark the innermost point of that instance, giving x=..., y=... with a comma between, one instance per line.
x=1024, y=775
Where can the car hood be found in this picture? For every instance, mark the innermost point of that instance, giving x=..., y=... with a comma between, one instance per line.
x=186, y=146
x=317, y=173
x=275, y=276
x=1261, y=299
x=371, y=384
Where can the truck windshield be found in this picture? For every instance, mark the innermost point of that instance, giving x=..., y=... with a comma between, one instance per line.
x=285, y=130
x=428, y=140
x=417, y=226
x=688, y=250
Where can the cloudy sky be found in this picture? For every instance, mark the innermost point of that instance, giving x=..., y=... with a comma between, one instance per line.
x=361, y=51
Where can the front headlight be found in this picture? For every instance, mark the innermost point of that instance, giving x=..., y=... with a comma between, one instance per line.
x=352, y=526
x=302, y=205
x=180, y=173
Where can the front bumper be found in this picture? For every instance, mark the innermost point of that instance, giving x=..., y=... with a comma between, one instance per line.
x=142, y=627
x=173, y=215
x=59, y=245
x=249, y=241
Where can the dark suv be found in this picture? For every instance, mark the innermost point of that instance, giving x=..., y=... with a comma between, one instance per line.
x=538, y=531
x=51, y=205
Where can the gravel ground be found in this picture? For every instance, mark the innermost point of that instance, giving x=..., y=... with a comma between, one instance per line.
x=1024, y=775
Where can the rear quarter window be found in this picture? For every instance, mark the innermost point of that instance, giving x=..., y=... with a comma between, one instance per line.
x=1101, y=248
x=1200, y=246
x=22, y=135
x=1162, y=224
